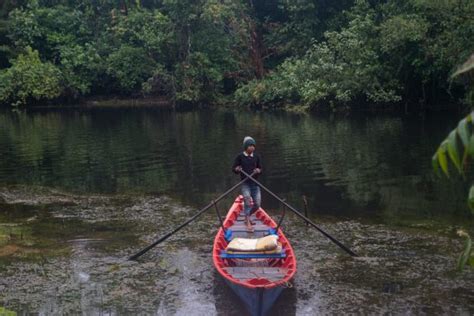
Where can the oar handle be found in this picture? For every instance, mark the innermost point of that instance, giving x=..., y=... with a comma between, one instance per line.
x=334, y=240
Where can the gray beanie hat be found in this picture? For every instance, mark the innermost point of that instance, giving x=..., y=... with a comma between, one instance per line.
x=248, y=141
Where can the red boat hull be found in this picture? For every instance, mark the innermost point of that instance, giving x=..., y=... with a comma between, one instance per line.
x=269, y=277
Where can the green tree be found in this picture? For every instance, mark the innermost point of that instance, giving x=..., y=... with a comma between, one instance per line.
x=29, y=79
x=147, y=29
x=6, y=48
x=80, y=65
x=306, y=52
x=131, y=67
x=346, y=66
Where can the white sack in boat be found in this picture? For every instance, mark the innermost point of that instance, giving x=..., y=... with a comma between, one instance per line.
x=266, y=243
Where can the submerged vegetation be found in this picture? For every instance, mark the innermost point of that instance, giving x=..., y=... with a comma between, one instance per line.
x=308, y=53
x=100, y=231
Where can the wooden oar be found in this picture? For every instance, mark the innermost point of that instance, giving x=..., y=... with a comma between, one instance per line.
x=163, y=238
x=334, y=240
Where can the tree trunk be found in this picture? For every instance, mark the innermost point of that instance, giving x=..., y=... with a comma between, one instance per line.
x=256, y=50
x=256, y=46
x=185, y=43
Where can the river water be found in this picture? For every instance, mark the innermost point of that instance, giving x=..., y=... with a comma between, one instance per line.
x=82, y=188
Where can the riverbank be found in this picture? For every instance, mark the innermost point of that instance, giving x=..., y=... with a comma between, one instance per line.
x=160, y=102
x=228, y=104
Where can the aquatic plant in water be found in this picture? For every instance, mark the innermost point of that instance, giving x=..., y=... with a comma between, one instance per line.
x=466, y=256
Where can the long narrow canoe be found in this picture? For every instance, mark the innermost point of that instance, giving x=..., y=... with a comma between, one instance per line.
x=257, y=279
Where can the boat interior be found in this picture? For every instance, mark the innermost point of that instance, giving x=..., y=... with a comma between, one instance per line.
x=254, y=269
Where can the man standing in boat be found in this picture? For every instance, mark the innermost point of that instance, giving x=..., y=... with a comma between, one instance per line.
x=249, y=162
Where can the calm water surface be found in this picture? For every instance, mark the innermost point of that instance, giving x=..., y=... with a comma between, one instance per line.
x=82, y=189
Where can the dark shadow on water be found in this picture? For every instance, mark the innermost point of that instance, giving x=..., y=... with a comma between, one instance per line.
x=286, y=303
x=229, y=304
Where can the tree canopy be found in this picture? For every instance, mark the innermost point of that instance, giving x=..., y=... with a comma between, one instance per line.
x=308, y=53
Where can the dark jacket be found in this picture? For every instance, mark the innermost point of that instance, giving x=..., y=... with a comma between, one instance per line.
x=248, y=164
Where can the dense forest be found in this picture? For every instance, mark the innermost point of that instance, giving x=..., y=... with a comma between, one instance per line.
x=307, y=53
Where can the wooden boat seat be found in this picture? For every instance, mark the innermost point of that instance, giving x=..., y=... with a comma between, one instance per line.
x=242, y=227
x=246, y=234
x=225, y=255
x=248, y=273
x=241, y=218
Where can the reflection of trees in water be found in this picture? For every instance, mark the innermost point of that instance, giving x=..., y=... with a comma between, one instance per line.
x=372, y=162
x=82, y=151
x=342, y=164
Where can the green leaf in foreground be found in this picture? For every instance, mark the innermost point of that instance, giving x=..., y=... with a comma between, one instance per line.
x=466, y=254
x=443, y=161
x=453, y=150
x=463, y=130
x=470, y=199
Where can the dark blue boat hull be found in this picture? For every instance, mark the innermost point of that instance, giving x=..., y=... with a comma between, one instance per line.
x=258, y=301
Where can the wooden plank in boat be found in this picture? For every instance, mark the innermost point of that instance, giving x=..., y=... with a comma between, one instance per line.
x=241, y=218
x=243, y=227
x=246, y=277
x=269, y=277
x=245, y=234
x=257, y=271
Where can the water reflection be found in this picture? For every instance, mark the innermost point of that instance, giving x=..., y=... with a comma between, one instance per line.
x=375, y=167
